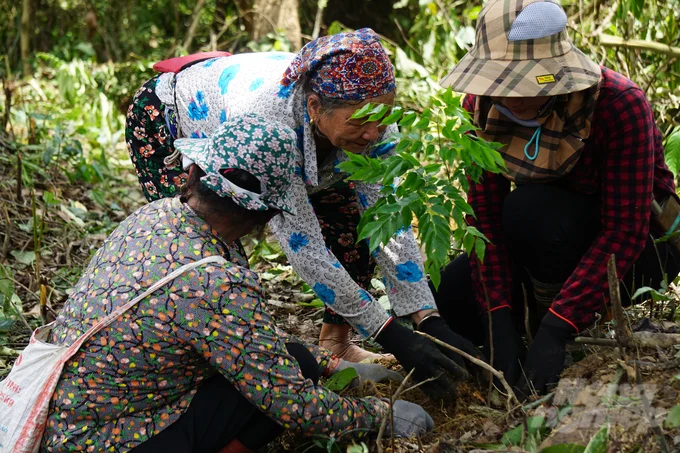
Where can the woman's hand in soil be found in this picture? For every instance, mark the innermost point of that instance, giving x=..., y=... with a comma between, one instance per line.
x=508, y=348
x=409, y=419
x=437, y=327
x=545, y=359
x=414, y=351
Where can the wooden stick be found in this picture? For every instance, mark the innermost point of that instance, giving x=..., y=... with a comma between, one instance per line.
x=615, y=41
x=527, y=326
x=642, y=339
x=479, y=363
x=621, y=327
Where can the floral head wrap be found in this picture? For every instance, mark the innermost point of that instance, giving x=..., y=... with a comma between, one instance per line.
x=351, y=66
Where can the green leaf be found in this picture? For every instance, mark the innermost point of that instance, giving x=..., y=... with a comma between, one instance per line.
x=368, y=230
x=50, y=199
x=564, y=448
x=354, y=448
x=673, y=152
x=672, y=420
x=26, y=258
x=6, y=324
x=393, y=117
x=653, y=294
x=341, y=379
x=363, y=112
x=480, y=249
x=382, y=110
x=514, y=436
x=6, y=285
x=599, y=442
x=535, y=424
x=408, y=119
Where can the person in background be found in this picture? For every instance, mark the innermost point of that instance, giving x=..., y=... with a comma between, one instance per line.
x=199, y=365
x=586, y=160
x=314, y=92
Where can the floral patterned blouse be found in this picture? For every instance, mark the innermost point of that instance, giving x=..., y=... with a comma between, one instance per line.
x=136, y=377
x=206, y=94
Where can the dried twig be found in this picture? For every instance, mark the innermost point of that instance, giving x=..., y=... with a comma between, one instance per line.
x=651, y=46
x=396, y=395
x=538, y=402
x=527, y=327
x=479, y=363
x=641, y=339
x=649, y=366
x=621, y=327
x=491, y=351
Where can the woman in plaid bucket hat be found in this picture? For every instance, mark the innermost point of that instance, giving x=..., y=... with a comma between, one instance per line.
x=315, y=93
x=585, y=155
x=199, y=365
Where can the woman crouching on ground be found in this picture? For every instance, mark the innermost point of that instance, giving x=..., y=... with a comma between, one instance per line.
x=199, y=365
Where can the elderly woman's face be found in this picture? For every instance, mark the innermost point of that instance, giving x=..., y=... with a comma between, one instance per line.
x=352, y=135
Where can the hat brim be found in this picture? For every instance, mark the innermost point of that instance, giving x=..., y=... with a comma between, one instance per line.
x=195, y=149
x=553, y=76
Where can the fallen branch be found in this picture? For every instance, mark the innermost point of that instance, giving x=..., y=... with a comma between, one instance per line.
x=615, y=41
x=649, y=366
x=479, y=363
x=641, y=339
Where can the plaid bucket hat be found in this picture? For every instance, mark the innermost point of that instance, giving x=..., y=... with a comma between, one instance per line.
x=264, y=148
x=522, y=50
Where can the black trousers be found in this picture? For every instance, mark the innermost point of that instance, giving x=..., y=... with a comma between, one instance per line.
x=219, y=413
x=547, y=230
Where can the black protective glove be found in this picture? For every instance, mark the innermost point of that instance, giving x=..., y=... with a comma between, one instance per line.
x=546, y=357
x=508, y=348
x=438, y=328
x=414, y=351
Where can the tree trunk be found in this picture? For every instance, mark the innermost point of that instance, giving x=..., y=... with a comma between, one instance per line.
x=191, y=32
x=26, y=37
x=272, y=15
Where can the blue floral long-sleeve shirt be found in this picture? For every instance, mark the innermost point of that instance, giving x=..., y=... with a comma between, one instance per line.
x=208, y=93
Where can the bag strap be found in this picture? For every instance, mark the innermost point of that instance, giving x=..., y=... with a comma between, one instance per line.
x=122, y=309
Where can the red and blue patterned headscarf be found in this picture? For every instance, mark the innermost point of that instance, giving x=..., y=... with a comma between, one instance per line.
x=351, y=66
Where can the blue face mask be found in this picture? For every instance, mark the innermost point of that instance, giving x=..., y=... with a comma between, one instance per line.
x=527, y=123
x=536, y=138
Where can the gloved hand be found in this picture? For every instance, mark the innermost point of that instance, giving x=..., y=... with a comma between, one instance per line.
x=508, y=348
x=546, y=357
x=369, y=372
x=437, y=327
x=414, y=351
x=409, y=419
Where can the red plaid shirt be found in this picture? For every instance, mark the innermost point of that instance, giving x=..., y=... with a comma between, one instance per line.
x=623, y=162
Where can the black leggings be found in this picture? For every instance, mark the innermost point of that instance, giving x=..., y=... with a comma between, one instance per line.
x=219, y=413
x=547, y=230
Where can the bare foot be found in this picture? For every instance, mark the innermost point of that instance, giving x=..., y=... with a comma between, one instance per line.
x=337, y=339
